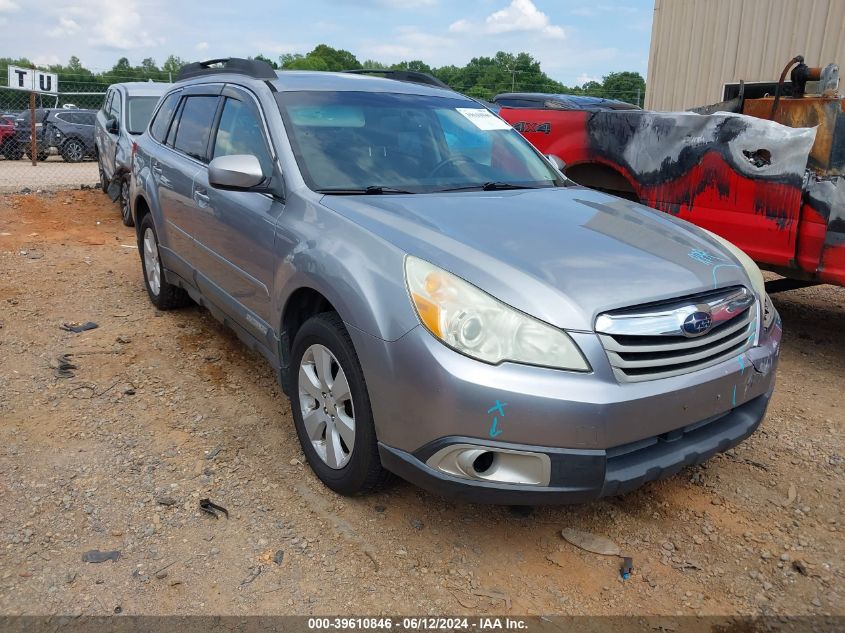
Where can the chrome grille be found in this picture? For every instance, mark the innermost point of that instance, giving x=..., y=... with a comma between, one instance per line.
x=650, y=342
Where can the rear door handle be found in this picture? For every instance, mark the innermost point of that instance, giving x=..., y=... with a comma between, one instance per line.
x=158, y=173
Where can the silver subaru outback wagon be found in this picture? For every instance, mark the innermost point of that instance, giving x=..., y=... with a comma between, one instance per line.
x=438, y=300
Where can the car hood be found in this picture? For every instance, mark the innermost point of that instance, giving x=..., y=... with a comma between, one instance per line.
x=563, y=255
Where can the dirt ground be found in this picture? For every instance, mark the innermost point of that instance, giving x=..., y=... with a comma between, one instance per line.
x=164, y=409
x=50, y=175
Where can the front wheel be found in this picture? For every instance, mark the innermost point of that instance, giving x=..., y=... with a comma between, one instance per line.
x=164, y=296
x=331, y=408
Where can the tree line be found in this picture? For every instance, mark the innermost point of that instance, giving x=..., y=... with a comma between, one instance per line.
x=482, y=77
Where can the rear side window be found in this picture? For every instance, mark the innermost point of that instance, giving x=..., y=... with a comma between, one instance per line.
x=114, y=109
x=87, y=118
x=158, y=128
x=195, y=126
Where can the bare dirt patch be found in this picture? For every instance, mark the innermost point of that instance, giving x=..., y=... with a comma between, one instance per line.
x=164, y=409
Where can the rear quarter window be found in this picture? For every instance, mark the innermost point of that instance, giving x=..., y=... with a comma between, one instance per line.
x=161, y=122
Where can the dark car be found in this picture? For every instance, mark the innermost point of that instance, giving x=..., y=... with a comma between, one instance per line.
x=539, y=100
x=71, y=132
x=23, y=133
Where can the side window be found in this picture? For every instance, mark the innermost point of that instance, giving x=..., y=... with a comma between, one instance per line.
x=114, y=108
x=171, y=135
x=107, y=102
x=195, y=126
x=87, y=118
x=240, y=132
x=158, y=128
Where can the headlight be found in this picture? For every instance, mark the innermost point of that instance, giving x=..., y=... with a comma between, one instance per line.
x=472, y=322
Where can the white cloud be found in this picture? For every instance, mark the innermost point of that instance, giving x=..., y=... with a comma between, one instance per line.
x=66, y=27
x=108, y=27
x=7, y=6
x=201, y=46
x=408, y=4
x=584, y=78
x=409, y=43
x=46, y=60
x=273, y=47
x=519, y=15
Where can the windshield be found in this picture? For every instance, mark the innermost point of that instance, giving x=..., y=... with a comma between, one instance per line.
x=139, y=111
x=347, y=142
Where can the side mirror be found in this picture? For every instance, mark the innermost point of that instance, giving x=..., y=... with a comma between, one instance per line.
x=557, y=161
x=238, y=171
x=111, y=125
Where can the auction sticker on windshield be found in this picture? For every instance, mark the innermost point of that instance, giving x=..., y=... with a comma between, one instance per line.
x=483, y=119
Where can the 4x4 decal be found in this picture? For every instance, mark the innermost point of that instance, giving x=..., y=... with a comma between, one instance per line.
x=527, y=127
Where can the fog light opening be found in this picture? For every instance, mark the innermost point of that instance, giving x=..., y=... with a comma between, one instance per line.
x=483, y=463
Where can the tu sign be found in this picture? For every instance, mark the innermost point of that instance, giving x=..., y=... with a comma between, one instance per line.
x=32, y=80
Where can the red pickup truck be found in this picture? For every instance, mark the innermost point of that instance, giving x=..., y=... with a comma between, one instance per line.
x=775, y=188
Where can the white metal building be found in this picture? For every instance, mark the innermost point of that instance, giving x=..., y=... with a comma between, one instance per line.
x=697, y=46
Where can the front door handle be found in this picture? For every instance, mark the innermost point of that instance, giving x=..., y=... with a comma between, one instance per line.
x=201, y=198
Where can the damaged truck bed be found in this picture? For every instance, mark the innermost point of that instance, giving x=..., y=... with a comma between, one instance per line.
x=777, y=192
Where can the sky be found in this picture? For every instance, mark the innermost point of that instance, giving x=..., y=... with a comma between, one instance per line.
x=575, y=40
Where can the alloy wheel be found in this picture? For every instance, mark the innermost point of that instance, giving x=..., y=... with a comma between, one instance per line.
x=151, y=261
x=325, y=400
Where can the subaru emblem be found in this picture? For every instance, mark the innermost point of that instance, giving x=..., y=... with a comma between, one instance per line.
x=697, y=324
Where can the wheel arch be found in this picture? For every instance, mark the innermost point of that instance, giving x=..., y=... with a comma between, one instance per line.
x=605, y=177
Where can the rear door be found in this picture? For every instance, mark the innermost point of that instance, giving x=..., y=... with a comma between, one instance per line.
x=235, y=231
x=175, y=168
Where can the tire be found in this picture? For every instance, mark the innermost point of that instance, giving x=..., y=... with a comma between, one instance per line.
x=12, y=151
x=163, y=295
x=125, y=208
x=104, y=186
x=73, y=151
x=354, y=470
x=41, y=156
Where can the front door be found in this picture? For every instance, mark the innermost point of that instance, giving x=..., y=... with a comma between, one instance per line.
x=235, y=237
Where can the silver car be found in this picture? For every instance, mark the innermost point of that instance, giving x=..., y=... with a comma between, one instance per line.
x=438, y=301
x=125, y=114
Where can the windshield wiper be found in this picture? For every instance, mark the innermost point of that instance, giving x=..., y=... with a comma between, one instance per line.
x=373, y=190
x=490, y=186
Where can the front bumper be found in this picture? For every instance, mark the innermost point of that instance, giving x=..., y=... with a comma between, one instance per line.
x=578, y=476
x=425, y=396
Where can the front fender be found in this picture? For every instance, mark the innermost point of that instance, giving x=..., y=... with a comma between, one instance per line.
x=360, y=274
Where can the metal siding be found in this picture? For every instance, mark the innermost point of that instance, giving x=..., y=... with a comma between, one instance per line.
x=697, y=46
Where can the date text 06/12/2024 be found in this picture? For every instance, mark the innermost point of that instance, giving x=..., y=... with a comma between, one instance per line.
x=417, y=624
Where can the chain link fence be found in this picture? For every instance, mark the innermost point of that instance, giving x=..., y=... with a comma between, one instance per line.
x=62, y=153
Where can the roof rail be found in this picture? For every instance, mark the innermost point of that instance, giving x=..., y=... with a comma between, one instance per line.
x=411, y=76
x=256, y=68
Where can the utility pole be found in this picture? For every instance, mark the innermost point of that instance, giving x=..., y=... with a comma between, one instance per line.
x=513, y=77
